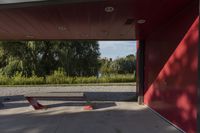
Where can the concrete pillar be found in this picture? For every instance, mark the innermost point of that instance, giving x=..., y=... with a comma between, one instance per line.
x=198, y=99
x=140, y=71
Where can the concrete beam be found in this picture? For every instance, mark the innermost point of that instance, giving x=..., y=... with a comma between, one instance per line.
x=7, y=4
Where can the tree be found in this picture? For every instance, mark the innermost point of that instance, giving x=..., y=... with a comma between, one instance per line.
x=77, y=58
x=119, y=66
x=106, y=66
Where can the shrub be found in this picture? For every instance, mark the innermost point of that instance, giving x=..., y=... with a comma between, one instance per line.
x=58, y=77
x=19, y=79
x=4, y=80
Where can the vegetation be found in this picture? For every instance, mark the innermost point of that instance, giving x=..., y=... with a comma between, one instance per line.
x=42, y=58
x=61, y=62
x=59, y=78
x=125, y=65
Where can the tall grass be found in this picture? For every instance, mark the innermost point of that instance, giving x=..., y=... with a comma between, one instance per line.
x=61, y=79
x=58, y=77
x=4, y=80
x=18, y=79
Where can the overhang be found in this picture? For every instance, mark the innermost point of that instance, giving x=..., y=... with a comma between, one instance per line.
x=85, y=19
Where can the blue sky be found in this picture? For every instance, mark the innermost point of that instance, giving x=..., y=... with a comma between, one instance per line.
x=115, y=49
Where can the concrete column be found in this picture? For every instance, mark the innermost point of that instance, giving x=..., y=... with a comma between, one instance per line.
x=198, y=90
x=140, y=71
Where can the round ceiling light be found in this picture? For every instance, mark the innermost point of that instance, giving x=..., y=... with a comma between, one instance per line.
x=84, y=35
x=109, y=9
x=29, y=36
x=105, y=32
x=141, y=21
x=62, y=28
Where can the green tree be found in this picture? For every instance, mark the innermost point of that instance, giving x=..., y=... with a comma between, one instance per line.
x=77, y=58
x=124, y=65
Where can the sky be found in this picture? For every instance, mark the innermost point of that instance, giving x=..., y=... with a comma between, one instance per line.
x=116, y=49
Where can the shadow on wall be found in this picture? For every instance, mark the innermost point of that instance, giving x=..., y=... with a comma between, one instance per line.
x=172, y=83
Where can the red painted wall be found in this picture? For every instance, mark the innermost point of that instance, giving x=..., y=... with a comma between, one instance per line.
x=171, y=66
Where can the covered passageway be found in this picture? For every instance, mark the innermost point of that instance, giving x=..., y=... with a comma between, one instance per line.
x=167, y=33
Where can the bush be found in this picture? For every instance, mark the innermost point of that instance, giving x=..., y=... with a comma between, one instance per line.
x=119, y=78
x=58, y=77
x=4, y=80
x=18, y=79
x=86, y=80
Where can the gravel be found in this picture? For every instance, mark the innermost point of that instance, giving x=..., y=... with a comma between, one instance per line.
x=109, y=93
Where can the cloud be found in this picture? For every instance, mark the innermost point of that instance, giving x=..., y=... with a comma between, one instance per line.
x=114, y=49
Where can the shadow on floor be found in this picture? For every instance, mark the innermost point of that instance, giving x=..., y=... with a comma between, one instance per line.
x=96, y=105
x=17, y=100
x=104, y=121
x=93, y=96
x=12, y=98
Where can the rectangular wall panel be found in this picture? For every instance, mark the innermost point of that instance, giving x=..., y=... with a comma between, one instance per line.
x=171, y=69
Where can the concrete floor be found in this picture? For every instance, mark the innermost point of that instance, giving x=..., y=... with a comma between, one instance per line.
x=69, y=117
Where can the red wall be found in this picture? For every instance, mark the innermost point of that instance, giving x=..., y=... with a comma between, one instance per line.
x=171, y=66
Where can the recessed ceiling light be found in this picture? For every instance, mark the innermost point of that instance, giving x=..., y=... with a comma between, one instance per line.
x=141, y=21
x=105, y=32
x=62, y=28
x=29, y=36
x=129, y=21
x=84, y=35
x=109, y=9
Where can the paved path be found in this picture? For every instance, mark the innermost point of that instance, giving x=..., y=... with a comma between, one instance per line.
x=110, y=117
x=69, y=117
x=8, y=91
x=108, y=93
